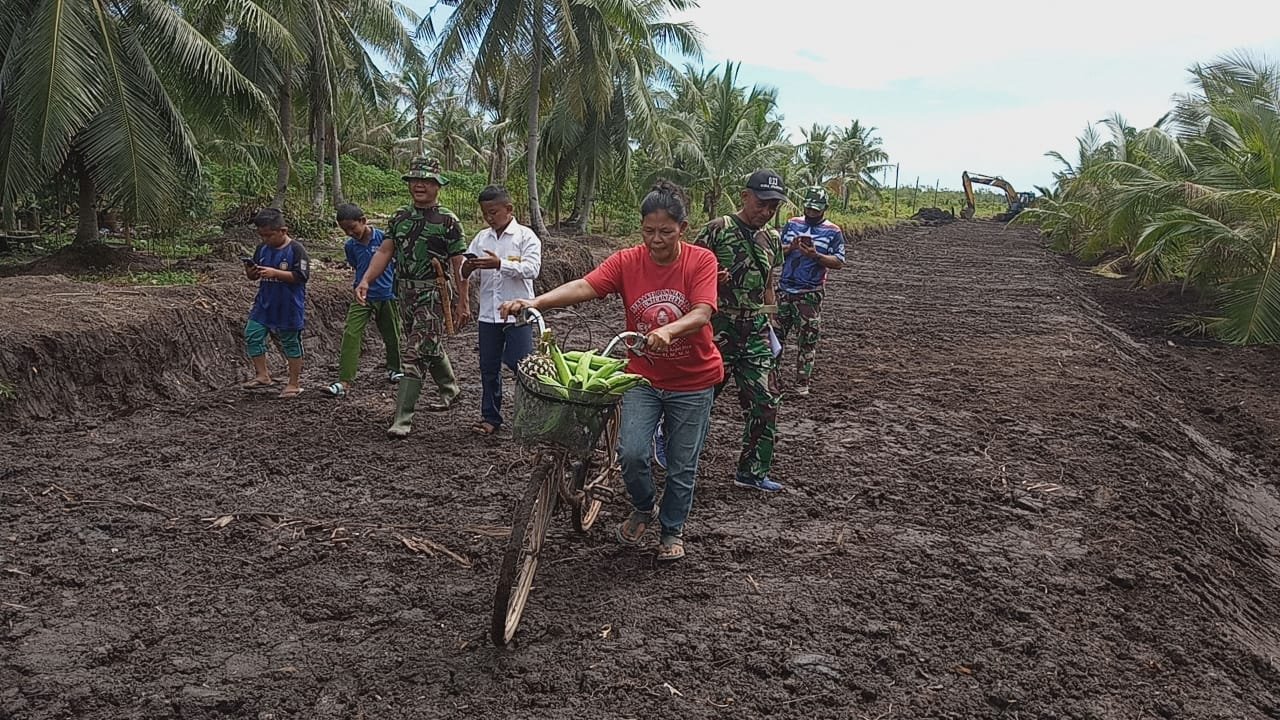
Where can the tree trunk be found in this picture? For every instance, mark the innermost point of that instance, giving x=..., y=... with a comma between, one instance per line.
x=338, y=197
x=557, y=190
x=87, y=226
x=498, y=159
x=531, y=145
x=10, y=217
x=285, y=163
x=420, y=122
x=586, y=197
x=318, y=136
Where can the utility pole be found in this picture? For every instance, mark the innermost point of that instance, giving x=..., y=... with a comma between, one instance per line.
x=936, y=183
x=896, y=167
x=915, y=195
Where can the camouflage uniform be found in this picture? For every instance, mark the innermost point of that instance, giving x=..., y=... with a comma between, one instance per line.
x=422, y=235
x=742, y=332
x=803, y=281
x=801, y=312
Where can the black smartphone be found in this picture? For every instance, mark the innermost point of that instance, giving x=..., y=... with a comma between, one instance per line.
x=247, y=260
x=470, y=256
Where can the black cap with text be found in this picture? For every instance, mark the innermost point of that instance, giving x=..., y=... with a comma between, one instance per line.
x=766, y=185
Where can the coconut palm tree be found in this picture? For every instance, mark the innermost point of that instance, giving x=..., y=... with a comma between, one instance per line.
x=720, y=132
x=857, y=156
x=420, y=89
x=450, y=124
x=528, y=42
x=326, y=52
x=1197, y=196
x=612, y=98
x=814, y=154
x=104, y=92
x=492, y=35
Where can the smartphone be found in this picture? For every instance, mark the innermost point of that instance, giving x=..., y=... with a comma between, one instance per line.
x=247, y=260
x=470, y=256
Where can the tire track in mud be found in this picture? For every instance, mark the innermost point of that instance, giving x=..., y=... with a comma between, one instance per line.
x=995, y=509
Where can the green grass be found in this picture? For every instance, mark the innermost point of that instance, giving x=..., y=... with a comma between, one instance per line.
x=7, y=392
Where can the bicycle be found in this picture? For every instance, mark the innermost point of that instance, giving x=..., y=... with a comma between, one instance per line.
x=575, y=464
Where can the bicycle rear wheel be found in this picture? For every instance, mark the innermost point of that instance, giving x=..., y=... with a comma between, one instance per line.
x=520, y=561
x=597, y=478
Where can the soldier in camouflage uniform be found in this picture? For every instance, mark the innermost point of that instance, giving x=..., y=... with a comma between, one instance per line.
x=813, y=245
x=749, y=251
x=426, y=241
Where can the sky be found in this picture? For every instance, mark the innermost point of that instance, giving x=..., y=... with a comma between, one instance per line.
x=980, y=86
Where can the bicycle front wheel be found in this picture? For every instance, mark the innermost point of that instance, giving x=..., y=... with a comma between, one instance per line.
x=597, y=478
x=520, y=561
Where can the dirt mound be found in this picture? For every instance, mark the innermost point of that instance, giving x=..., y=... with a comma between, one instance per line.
x=933, y=217
x=563, y=259
x=76, y=259
x=112, y=349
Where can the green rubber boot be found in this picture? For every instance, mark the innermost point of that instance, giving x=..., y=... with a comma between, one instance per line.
x=446, y=383
x=406, y=398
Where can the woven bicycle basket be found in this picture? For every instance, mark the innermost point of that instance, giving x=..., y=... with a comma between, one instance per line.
x=570, y=419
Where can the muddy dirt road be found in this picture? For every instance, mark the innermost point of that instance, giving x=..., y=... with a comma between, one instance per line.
x=1009, y=496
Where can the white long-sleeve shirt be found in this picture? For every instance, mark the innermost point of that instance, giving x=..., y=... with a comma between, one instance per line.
x=521, y=253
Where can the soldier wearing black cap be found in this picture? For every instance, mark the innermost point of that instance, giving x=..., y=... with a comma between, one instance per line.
x=749, y=251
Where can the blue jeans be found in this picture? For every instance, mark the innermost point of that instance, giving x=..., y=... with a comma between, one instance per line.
x=500, y=344
x=686, y=417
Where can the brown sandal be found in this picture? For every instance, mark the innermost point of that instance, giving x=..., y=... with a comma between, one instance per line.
x=631, y=531
x=670, y=548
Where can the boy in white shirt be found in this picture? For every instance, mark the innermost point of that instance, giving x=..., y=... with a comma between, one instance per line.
x=508, y=257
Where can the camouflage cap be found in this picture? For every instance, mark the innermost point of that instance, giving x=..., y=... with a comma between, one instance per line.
x=425, y=169
x=815, y=198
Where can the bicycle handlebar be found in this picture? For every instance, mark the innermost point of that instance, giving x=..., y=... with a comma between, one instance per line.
x=633, y=342
x=530, y=315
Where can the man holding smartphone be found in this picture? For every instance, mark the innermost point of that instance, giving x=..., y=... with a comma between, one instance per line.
x=507, y=258
x=812, y=245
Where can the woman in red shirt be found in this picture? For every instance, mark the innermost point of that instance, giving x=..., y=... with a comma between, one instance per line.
x=668, y=287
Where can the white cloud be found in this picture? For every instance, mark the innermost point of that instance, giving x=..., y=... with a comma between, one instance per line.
x=869, y=45
x=974, y=85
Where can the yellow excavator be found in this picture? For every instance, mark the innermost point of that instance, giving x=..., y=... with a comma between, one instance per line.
x=1017, y=201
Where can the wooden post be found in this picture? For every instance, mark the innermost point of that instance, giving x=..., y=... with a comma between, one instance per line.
x=936, y=183
x=915, y=194
x=896, y=168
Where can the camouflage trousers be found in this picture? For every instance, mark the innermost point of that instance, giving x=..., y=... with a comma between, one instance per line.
x=422, y=352
x=749, y=361
x=801, y=312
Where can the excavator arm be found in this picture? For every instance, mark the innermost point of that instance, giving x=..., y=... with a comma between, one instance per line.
x=968, y=179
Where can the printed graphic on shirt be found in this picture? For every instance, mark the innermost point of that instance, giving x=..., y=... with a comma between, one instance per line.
x=662, y=307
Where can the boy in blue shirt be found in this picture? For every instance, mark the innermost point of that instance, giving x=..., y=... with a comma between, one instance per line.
x=281, y=267
x=812, y=245
x=363, y=240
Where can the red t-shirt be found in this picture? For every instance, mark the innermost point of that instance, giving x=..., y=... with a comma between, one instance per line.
x=655, y=295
